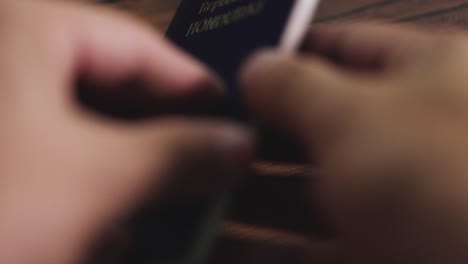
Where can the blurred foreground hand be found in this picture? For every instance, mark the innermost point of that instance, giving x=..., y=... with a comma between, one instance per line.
x=66, y=172
x=383, y=111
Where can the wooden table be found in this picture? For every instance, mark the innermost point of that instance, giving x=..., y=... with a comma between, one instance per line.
x=426, y=12
x=270, y=222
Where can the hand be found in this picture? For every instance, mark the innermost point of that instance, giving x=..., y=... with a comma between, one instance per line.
x=382, y=109
x=67, y=171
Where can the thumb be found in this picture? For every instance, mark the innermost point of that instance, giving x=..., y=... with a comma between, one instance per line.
x=304, y=96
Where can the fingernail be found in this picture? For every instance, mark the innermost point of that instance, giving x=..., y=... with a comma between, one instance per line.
x=260, y=65
x=216, y=82
x=188, y=75
x=204, y=80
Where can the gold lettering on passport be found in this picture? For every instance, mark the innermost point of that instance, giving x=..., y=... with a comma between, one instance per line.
x=212, y=6
x=225, y=19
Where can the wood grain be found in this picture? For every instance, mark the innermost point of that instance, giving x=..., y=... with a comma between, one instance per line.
x=408, y=10
x=442, y=12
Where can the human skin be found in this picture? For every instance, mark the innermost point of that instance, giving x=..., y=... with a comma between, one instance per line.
x=69, y=172
x=380, y=108
x=383, y=112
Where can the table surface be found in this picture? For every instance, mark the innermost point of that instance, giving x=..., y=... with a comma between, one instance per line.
x=270, y=222
x=426, y=12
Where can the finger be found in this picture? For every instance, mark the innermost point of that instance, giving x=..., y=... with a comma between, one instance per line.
x=109, y=48
x=367, y=45
x=194, y=158
x=305, y=96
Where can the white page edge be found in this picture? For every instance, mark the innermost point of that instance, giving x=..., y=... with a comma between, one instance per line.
x=301, y=16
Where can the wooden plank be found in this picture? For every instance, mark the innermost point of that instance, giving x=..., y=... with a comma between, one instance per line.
x=278, y=202
x=272, y=251
x=456, y=16
x=160, y=12
x=335, y=8
x=402, y=9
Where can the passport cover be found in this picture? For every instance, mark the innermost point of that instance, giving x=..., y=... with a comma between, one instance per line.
x=222, y=33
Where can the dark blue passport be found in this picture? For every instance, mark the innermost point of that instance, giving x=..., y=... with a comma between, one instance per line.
x=222, y=33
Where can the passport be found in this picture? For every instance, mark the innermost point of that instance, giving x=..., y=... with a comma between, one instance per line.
x=223, y=33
